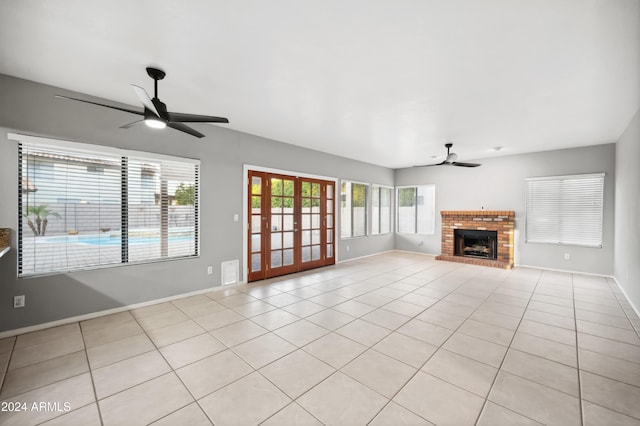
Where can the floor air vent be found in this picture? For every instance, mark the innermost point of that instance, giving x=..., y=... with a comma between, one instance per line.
x=230, y=271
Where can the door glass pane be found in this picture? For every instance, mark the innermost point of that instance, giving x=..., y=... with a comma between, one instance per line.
x=306, y=189
x=329, y=221
x=255, y=262
x=287, y=238
x=306, y=205
x=329, y=250
x=306, y=238
x=276, y=204
x=276, y=240
x=288, y=257
x=288, y=188
x=306, y=221
x=315, y=252
x=329, y=191
x=315, y=236
x=255, y=223
x=315, y=221
x=255, y=242
x=287, y=222
x=329, y=236
x=276, y=222
x=255, y=205
x=287, y=204
x=315, y=204
x=256, y=185
x=276, y=259
x=329, y=206
x=315, y=190
x=276, y=186
x=306, y=254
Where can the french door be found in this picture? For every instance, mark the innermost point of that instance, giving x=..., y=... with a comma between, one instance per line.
x=291, y=224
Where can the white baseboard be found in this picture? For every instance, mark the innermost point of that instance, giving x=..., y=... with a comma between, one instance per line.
x=92, y=315
x=416, y=252
x=626, y=296
x=567, y=271
x=364, y=257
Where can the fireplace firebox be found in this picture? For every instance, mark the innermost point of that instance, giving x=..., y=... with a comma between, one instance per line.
x=476, y=243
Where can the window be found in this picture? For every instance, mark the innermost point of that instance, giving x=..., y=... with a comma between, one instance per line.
x=380, y=209
x=102, y=206
x=565, y=209
x=416, y=209
x=353, y=209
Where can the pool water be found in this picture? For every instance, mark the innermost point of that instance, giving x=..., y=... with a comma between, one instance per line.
x=112, y=240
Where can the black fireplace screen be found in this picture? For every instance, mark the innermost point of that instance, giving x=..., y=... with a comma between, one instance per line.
x=472, y=243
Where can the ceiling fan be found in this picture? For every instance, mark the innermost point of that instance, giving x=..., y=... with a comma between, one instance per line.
x=155, y=111
x=451, y=160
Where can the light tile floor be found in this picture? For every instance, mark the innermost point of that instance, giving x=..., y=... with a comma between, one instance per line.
x=393, y=339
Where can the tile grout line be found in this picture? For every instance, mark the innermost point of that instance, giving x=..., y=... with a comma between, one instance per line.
x=369, y=347
x=575, y=320
x=493, y=382
x=161, y=375
x=294, y=400
x=93, y=383
x=438, y=348
x=340, y=369
x=6, y=369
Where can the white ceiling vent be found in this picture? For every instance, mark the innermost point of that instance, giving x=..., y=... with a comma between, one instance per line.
x=230, y=271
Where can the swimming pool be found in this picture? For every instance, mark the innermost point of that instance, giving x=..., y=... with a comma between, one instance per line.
x=113, y=239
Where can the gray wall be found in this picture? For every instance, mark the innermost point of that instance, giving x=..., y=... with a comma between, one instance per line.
x=31, y=108
x=499, y=185
x=627, y=260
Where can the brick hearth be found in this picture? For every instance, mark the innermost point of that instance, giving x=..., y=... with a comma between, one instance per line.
x=482, y=220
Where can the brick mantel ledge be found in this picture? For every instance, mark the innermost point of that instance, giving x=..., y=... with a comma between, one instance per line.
x=477, y=213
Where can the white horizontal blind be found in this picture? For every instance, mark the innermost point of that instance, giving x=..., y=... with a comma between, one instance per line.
x=162, y=208
x=565, y=209
x=84, y=206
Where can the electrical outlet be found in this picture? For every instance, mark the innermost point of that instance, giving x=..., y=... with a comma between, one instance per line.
x=567, y=256
x=18, y=301
x=209, y=270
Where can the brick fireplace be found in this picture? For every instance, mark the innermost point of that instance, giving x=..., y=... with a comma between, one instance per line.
x=481, y=237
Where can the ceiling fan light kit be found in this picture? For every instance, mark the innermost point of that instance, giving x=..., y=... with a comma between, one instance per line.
x=155, y=111
x=155, y=123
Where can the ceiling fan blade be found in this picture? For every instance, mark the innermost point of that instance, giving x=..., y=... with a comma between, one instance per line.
x=145, y=99
x=431, y=165
x=176, y=117
x=102, y=105
x=135, y=123
x=466, y=164
x=186, y=129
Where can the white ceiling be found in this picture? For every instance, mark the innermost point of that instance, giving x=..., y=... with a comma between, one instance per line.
x=386, y=82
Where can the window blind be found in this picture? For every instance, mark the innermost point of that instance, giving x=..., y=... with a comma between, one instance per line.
x=84, y=206
x=565, y=209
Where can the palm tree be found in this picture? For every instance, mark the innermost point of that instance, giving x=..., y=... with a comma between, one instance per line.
x=41, y=213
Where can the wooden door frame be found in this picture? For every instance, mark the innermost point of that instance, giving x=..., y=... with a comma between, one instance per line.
x=245, y=208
